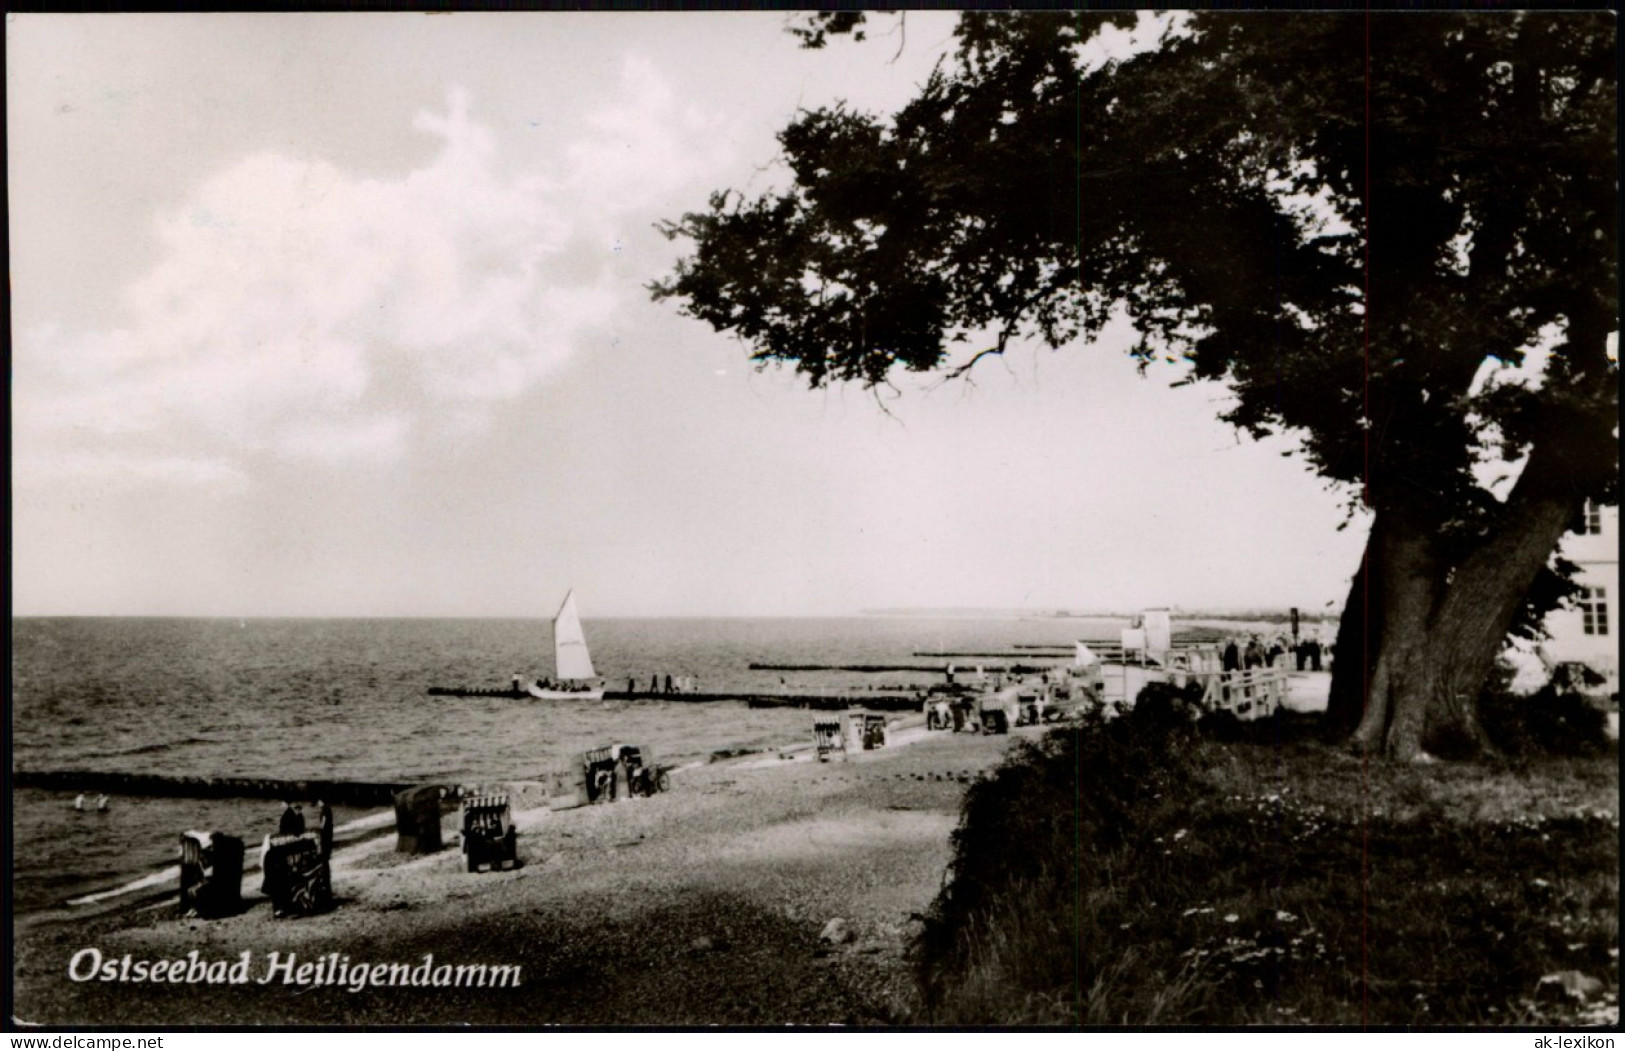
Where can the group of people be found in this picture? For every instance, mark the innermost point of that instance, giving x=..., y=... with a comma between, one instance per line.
x=565, y=685
x=292, y=823
x=679, y=684
x=1257, y=652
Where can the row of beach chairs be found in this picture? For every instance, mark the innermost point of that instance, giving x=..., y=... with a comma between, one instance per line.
x=490, y=839
x=296, y=875
x=851, y=731
x=297, y=866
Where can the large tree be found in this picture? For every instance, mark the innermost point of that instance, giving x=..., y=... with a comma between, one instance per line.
x=1355, y=220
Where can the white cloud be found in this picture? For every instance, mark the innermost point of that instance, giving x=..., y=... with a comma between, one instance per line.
x=303, y=310
x=647, y=144
x=118, y=471
x=365, y=439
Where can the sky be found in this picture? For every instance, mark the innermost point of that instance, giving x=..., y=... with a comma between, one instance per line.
x=346, y=315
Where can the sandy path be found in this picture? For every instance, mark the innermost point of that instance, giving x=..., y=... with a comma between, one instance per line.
x=698, y=906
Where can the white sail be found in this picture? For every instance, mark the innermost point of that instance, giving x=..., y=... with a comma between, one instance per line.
x=571, y=659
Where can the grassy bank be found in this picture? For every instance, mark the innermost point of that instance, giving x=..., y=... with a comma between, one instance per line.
x=1144, y=872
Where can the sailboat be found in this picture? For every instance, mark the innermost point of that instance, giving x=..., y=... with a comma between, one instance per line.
x=572, y=664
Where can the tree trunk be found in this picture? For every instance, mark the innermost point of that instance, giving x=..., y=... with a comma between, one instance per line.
x=1419, y=638
x=1354, y=653
x=1471, y=624
x=1411, y=578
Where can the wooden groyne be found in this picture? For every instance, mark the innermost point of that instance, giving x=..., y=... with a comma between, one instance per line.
x=875, y=702
x=879, y=700
x=985, y=655
x=927, y=669
x=347, y=793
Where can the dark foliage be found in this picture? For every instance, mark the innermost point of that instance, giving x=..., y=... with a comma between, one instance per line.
x=1101, y=877
x=1352, y=219
x=1548, y=723
x=1041, y=826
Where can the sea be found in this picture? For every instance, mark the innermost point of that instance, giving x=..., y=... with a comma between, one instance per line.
x=347, y=699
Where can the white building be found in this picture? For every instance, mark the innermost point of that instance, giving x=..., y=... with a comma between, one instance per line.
x=1587, y=630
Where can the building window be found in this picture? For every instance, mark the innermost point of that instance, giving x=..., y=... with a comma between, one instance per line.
x=1589, y=521
x=1593, y=603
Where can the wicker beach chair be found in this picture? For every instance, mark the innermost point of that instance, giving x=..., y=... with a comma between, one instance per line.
x=829, y=739
x=211, y=874
x=600, y=767
x=489, y=837
x=297, y=878
x=417, y=819
x=870, y=729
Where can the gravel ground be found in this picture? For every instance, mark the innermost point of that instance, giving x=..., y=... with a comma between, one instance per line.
x=701, y=906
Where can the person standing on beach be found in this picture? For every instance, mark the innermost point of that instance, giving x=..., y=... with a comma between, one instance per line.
x=1232, y=656
x=324, y=827
x=292, y=821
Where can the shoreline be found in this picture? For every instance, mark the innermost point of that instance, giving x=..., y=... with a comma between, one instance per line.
x=376, y=824
x=1307, y=693
x=702, y=905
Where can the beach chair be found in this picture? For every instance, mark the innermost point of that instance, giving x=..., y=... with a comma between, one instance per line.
x=600, y=766
x=297, y=878
x=871, y=730
x=211, y=874
x=644, y=776
x=417, y=819
x=828, y=738
x=999, y=712
x=567, y=788
x=489, y=837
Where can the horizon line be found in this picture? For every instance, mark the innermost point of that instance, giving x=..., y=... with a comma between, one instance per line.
x=1044, y=612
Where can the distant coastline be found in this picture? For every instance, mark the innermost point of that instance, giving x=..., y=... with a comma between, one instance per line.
x=1282, y=613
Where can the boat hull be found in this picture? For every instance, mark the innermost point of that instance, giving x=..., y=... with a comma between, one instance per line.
x=566, y=695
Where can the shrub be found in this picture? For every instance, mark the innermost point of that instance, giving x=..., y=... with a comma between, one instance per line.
x=1545, y=723
x=1004, y=942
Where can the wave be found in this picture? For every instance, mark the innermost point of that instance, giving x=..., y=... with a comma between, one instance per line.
x=155, y=747
x=353, y=793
